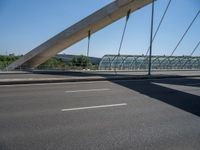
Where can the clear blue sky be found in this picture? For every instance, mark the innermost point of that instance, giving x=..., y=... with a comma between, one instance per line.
x=27, y=23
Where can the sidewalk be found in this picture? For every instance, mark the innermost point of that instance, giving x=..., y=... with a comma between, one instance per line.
x=7, y=78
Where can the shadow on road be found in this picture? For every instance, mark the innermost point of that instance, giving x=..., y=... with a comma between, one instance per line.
x=84, y=73
x=182, y=100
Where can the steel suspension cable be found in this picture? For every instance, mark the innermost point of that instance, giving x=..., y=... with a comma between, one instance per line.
x=151, y=38
x=122, y=38
x=162, y=18
x=191, y=54
x=185, y=33
x=124, y=30
x=157, y=29
x=88, y=47
x=195, y=48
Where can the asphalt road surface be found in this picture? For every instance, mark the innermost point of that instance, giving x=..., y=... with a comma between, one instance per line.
x=120, y=115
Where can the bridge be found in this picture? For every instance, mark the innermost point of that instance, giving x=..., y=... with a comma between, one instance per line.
x=112, y=109
x=77, y=32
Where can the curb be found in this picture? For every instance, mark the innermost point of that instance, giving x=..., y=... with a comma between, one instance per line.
x=58, y=80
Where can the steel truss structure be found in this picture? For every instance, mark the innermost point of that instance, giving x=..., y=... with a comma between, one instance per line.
x=140, y=62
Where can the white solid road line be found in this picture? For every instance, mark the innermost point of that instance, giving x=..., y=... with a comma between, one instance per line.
x=88, y=90
x=93, y=107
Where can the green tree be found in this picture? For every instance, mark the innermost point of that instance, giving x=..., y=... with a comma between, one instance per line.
x=52, y=63
x=80, y=61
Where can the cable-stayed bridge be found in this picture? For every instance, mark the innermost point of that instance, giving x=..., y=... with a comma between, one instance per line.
x=96, y=21
x=78, y=31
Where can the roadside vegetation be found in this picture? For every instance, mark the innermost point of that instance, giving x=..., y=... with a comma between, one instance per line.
x=5, y=60
x=76, y=63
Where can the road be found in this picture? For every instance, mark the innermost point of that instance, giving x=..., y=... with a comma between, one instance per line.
x=101, y=115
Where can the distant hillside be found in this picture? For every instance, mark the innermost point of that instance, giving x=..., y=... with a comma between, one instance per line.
x=67, y=58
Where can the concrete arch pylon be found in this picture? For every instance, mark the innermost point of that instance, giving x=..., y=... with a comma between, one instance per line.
x=94, y=22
